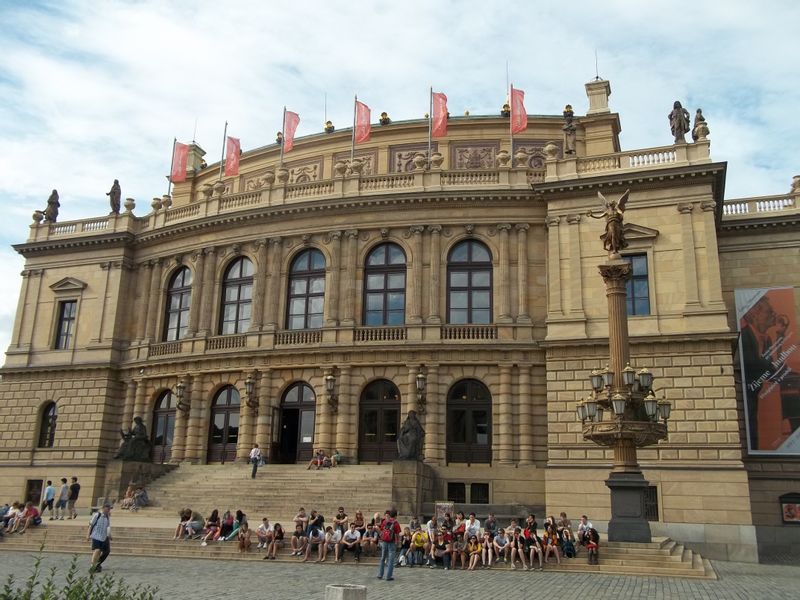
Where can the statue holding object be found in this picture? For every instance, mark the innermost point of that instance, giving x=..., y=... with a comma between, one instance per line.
x=114, y=196
x=410, y=438
x=51, y=212
x=613, y=238
x=679, y=122
x=135, y=443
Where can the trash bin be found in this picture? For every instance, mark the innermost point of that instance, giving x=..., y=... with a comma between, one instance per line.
x=345, y=591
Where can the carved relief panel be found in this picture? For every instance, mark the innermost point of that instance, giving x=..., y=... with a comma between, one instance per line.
x=368, y=158
x=401, y=158
x=473, y=155
x=533, y=148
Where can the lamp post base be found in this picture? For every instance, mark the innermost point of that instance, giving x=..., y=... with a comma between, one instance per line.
x=628, y=523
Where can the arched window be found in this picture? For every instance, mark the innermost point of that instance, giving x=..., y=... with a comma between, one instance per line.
x=378, y=422
x=469, y=284
x=47, y=429
x=237, y=297
x=385, y=286
x=179, y=299
x=306, y=290
x=469, y=423
x=164, y=413
x=297, y=414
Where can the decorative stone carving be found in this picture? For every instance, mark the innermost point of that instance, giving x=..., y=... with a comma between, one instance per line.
x=552, y=221
x=368, y=158
x=410, y=438
x=256, y=182
x=569, y=129
x=679, y=122
x=384, y=233
x=305, y=173
x=535, y=151
x=436, y=160
x=503, y=158
x=282, y=175
x=521, y=158
x=356, y=166
x=614, y=236
x=114, y=197
x=38, y=216
x=166, y=201
x=573, y=219
x=700, y=131
x=205, y=191
x=130, y=204
x=219, y=189
x=51, y=211
x=420, y=161
x=340, y=168
x=401, y=158
x=473, y=155
x=135, y=443
x=795, y=189
x=550, y=151
x=469, y=229
x=156, y=204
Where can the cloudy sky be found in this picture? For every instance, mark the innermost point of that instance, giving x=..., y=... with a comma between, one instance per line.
x=95, y=90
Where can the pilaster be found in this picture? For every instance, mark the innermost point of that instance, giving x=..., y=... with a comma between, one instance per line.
x=522, y=273
x=415, y=309
x=691, y=294
x=434, y=289
x=504, y=287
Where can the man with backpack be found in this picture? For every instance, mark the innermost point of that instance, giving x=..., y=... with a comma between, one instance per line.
x=389, y=538
x=100, y=536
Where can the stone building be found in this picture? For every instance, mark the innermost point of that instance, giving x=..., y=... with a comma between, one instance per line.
x=335, y=290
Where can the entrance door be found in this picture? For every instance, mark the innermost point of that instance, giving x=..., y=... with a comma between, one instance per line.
x=33, y=491
x=297, y=418
x=224, y=431
x=469, y=423
x=163, y=427
x=379, y=422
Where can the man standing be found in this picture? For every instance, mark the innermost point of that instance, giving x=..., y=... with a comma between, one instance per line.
x=47, y=500
x=74, y=491
x=63, y=497
x=255, y=459
x=389, y=538
x=100, y=536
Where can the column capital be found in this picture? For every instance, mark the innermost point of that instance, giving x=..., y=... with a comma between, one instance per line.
x=522, y=226
x=260, y=243
x=416, y=229
x=503, y=227
x=275, y=241
x=573, y=219
x=437, y=229
x=351, y=233
x=685, y=208
x=708, y=205
x=334, y=235
x=552, y=221
x=209, y=250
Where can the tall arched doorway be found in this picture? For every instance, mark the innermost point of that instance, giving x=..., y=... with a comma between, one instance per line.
x=295, y=439
x=378, y=422
x=469, y=423
x=163, y=427
x=224, y=432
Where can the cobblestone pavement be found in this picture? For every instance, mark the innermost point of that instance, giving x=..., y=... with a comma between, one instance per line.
x=205, y=579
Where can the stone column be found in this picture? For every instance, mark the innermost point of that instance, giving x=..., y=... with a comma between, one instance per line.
x=332, y=304
x=712, y=275
x=273, y=283
x=197, y=293
x=130, y=404
x=347, y=417
x=409, y=399
x=504, y=285
x=207, y=307
x=503, y=446
x=260, y=284
x=144, y=300
x=348, y=313
x=522, y=273
x=575, y=278
x=434, y=419
x=435, y=276
x=264, y=389
x=555, y=305
x=155, y=295
x=192, y=423
x=415, y=307
x=179, y=442
x=691, y=294
x=247, y=423
x=140, y=399
x=324, y=418
x=525, y=415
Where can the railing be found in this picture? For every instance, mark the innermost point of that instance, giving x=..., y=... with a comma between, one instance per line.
x=165, y=348
x=380, y=334
x=667, y=156
x=307, y=190
x=184, y=212
x=299, y=337
x=638, y=159
x=240, y=200
x=226, y=342
x=386, y=182
x=536, y=176
x=468, y=332
x=761, y=204
x=95, y=224
x=470, y=177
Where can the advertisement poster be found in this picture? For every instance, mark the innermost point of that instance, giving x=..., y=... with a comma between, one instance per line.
x=770, y=361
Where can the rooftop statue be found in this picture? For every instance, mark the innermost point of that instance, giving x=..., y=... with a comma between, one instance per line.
x=613, y=238
x=569, y=130
x=114, y=196
x=700, y=130
x=51, y=212
x=409, y=441
x=679, y=122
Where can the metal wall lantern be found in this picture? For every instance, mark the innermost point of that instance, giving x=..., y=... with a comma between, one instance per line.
x=422, y=382
x=249, y=388
x=330, y=390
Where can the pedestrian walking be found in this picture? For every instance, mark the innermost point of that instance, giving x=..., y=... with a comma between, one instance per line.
x=48, y=498
x=255, y=458
x=63, y=498
x=389, y=537
x=74, y=491
x=100, y=537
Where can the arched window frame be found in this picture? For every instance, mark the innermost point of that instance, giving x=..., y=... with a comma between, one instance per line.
x=237, y=297
x=384, y=298
x=177, y=305
x=306, y=291
x=469, y=285
x=474, y=403
x=47, y=425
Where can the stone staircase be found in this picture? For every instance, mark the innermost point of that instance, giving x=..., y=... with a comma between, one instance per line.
x=277, y=492
x=664, y=558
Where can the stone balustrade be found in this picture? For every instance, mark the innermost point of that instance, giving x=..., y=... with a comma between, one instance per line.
x=742, y=208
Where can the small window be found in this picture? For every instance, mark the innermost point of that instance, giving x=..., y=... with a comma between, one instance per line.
x=638, y=291
x=651, y=503
x=479, y=493
x=47, y=429
x=456, y=492
x=67, y=311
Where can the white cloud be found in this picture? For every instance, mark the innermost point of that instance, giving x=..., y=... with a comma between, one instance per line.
x=94, y=91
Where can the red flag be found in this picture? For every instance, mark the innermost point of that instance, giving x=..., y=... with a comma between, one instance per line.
x=290, y=122
x=439, y=123
x=179, y=158
x=232, y=149
x=519, y=116
x=362, y=126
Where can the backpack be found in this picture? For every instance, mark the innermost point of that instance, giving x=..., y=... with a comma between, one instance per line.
x=568, y=548
x=387, y=534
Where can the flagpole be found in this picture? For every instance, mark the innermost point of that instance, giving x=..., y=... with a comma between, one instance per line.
x=430, y=124
x=222, y=159
x=171, y=164
x=511, y=120
x=353, y=142
x=283, y=135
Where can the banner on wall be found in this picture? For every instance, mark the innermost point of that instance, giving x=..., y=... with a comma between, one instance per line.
x=770, y=361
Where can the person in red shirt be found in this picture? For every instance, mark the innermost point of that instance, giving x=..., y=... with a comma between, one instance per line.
x=389, y=536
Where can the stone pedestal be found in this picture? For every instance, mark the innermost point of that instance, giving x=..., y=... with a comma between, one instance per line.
x=345, y=591
x=122, y=473
x=412, y=484
x=628, y=523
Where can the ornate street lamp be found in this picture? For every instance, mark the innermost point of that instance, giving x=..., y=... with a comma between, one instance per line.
x=422, y=382
x=330, y=390
x=639, y=418
x=252, y=399
x=179, y=390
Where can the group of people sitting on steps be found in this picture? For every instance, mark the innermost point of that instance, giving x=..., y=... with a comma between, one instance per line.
x=446, y=542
